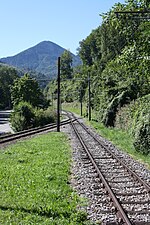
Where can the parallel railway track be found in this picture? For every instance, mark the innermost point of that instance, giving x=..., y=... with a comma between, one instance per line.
x=120, y=193
x=129, y=194
x=29, y=132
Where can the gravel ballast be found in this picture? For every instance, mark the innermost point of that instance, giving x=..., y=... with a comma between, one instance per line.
x=86, y=184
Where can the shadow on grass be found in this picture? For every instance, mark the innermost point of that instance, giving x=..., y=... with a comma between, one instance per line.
x=49, y=213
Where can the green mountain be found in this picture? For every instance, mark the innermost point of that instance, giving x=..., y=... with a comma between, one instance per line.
x=41, y=58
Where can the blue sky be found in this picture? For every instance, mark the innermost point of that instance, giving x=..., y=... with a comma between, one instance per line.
x=25, y=23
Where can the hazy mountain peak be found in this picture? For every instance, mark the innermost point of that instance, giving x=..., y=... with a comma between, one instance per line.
x=41, y=58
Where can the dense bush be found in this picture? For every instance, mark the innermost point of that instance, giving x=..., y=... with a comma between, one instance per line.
x=142, y=135
x=141, y=124
x=24, y=116
x=118, y=61
x=110, y=113
x=135, y=117
x=43, y=117
x=123, y=118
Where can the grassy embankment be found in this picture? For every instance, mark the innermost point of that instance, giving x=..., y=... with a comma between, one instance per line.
x=34, y=183
x=118, y=137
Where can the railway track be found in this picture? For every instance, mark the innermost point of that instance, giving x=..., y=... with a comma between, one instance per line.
x=119, y=192
x=26, y=133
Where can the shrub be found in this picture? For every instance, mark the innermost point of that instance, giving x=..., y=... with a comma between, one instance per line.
x=139, y=110
x=110, y=114
x=22, y=116
x=135, y=118
x=141, y=124
x=39, y=119
x=43, y=117
x=51, y=115
x=123, y=118
x=142, y=135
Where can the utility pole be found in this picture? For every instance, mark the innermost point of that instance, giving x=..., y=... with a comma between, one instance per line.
x=81, y=101
x=52, y=99
x=89, y=91
x=58, y=97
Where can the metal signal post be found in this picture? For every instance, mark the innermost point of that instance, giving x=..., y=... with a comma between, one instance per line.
x=58, y=97
x=89, y=92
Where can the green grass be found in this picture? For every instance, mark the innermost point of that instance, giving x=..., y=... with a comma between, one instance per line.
x=120, y=138
x=34, y=183
x=73, y=107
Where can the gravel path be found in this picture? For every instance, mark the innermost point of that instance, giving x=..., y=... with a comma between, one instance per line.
x=5, y=128
x=4, y=122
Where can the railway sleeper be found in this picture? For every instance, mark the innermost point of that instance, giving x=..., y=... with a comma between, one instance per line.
x=129, y=194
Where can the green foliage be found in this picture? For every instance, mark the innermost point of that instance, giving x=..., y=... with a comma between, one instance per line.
x=139, y=109
x=135, y=118
x=110, y=114
x=116, y=55
x=43, y=117
x=66, y=65
x=142, y=135
x=123, y=118
x=7, y=77
x=25, y=116
x=50, y=91
x=118, y=59
x=71, y=89
x=89, y=50
x=27, y=89
x=22, y=117
x=141, y=124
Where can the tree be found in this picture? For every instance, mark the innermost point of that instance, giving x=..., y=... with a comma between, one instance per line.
x=66, y=65
x=7, y=77
x=117, y=55
x=26, y=89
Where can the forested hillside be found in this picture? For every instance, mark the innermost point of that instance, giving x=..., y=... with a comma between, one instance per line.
x=116, y=56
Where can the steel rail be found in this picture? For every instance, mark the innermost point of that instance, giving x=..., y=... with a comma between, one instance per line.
x=120, y=211
x=119, y=160
x=31, y=129
x=24, y=131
